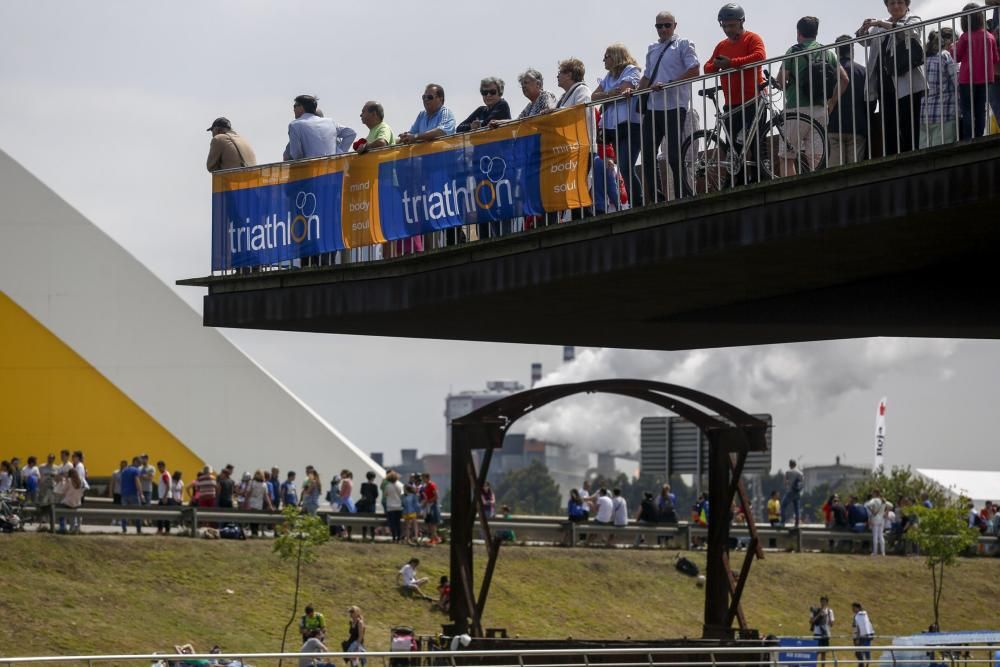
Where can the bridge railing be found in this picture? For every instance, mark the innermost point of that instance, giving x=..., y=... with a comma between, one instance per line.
x=628, y=653
x=690, y=138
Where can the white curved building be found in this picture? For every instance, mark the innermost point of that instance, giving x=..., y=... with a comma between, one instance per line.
x=97, y=354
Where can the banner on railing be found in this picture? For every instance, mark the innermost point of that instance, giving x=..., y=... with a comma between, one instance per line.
x=275, y=213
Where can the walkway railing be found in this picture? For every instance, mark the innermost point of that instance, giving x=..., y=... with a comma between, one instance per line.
x=635, y=654
x=526, y=529
x=901, y=94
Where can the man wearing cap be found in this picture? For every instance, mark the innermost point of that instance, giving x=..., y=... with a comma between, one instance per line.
x=228, y=150
x=311, y=135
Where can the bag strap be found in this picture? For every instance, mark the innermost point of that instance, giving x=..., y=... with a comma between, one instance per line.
x=663, y=52
x=566, y=95
x=243, y=162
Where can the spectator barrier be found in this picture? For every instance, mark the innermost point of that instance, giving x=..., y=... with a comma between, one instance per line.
x=526, y=529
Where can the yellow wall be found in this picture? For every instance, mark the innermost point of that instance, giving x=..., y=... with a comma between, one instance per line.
x=52, y=399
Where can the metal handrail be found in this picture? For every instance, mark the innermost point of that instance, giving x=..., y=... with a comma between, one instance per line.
x=644, y=651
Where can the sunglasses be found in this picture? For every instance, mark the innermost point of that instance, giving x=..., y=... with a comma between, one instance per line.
x=429, y=97
x=663, y=26
x=484, y=92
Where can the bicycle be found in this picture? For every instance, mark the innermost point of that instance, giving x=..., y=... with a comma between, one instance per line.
x=711, y=164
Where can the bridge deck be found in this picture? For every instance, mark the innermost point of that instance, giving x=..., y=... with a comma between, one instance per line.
x=901, y=246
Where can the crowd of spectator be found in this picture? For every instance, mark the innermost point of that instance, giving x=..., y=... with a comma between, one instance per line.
x=412, y=510
x=139, y=483
x=929, y=85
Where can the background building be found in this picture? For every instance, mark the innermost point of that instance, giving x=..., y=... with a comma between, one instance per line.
x=836, y=477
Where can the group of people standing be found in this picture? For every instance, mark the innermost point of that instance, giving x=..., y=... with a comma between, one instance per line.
x=927, y=92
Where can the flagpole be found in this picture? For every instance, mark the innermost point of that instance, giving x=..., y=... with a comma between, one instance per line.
x=879, y=434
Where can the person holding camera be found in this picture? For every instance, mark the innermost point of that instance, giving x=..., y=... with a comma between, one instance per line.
x=822, y=620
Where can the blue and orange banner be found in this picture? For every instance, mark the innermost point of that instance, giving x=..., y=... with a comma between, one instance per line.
x=282, y=212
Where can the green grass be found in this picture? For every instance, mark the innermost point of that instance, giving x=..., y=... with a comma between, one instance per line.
x=110, y=594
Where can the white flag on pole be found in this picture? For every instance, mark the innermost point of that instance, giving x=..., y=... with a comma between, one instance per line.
x=879, y=433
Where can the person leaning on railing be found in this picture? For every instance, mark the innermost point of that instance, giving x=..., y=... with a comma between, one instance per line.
x=620, y=119
x=848, y=129
x=671, y=58
x=938, y=110
x=813, y=85
x=976, y=53
x=494, y=106
x=895, y=73
x=228, y=150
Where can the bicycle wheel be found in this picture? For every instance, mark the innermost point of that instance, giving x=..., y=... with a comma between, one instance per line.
x=795, y=137
x=706, y=163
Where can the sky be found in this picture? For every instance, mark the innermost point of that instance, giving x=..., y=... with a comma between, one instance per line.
x=108, y=101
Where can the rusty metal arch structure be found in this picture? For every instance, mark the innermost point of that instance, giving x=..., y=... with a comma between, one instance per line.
x=730, y=440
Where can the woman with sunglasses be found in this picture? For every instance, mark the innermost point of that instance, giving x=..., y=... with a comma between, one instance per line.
x=494, y=107
x=620, y=119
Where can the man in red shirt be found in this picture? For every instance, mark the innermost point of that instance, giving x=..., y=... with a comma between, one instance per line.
x=741, y=47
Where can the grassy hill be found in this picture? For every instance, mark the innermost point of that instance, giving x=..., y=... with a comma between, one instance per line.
x=109, y=594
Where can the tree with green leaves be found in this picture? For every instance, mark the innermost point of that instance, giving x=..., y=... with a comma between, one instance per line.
x=942, y=534
x=298, y=537
x=530, y=490
x=901, y=482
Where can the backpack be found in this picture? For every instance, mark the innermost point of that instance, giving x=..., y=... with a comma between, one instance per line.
x=684, y=566
x=798, y=483
x=823, y=75
x=232, y=531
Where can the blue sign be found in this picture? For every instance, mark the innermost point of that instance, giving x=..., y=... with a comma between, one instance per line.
x=277, y=223
x=800, y=655
x=469, y=184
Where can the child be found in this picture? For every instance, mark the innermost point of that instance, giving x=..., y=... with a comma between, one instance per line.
x=411, y=509
x=443, y=602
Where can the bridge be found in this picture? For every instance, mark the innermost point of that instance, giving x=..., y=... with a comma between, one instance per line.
x=899, y=245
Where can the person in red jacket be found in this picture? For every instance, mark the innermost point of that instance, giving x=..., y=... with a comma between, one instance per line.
x=741, y=47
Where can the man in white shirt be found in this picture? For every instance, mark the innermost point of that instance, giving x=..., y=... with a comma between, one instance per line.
x=863, y=632
x=604, y=512
x=310, y=135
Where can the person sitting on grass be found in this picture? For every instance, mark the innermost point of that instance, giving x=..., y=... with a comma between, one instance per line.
x=314, y=644
x=409, y=582
x=443, y=603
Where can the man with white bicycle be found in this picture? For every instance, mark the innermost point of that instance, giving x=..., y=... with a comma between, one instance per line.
x=740, y=48
x=813, y=81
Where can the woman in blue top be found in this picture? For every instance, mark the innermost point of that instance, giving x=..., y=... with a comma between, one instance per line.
x=620, y=119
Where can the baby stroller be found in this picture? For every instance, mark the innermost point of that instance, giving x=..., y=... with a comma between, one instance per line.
x=402, y=638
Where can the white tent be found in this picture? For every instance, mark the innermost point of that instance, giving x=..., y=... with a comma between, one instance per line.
x=978, y=485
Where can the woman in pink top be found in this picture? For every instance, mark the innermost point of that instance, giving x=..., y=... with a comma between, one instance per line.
x=977, y=56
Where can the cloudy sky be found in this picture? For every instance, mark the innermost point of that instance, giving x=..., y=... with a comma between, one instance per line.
x=107, y=102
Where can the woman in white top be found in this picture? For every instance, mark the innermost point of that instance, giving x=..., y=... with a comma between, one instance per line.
x=570, y=79
x=71, y=490
x=258, y=499
x=891, y=76
x=177, y=488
